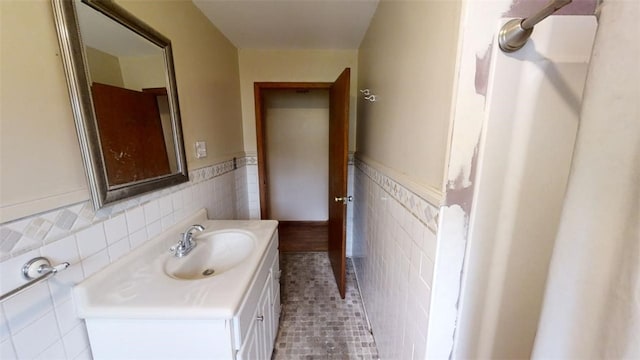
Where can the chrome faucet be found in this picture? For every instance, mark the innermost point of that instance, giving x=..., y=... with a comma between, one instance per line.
x=186, y=243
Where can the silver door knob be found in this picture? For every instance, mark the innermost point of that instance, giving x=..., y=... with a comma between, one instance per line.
x=344, y=199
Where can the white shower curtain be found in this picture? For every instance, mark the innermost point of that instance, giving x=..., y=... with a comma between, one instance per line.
x=592, y=302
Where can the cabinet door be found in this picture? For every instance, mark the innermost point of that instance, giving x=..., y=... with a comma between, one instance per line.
x=258, y=343
x=263, y=321
x=275, y=296
x=250, y=347
x=275, y=310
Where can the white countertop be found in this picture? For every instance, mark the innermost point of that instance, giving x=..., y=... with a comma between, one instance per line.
x=136, y=286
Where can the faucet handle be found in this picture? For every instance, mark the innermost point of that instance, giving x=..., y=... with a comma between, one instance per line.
x=176, y=247
x=184, y=238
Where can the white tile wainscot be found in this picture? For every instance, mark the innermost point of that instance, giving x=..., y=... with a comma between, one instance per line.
x=394, y=246
x=42, y=323
x=248, y=194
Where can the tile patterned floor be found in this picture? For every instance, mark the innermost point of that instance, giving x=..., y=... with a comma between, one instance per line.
x=315, y=322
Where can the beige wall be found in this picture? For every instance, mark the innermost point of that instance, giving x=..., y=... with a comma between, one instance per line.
x=407, y=59
x=104, y=68
x=292, y=66
x=142, y=72
x=40, y=162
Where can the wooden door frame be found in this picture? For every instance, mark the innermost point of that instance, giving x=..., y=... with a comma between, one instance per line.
x=258, y=92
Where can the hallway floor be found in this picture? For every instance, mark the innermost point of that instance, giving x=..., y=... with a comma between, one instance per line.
x=315, y=322
x=299, y=236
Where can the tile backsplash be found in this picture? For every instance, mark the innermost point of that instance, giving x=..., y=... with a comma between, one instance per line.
x=41, y=322
x=394, y=247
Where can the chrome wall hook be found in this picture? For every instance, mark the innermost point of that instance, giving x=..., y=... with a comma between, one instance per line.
x=368, y=95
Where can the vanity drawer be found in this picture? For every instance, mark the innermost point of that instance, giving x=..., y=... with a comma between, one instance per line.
x=248, y=310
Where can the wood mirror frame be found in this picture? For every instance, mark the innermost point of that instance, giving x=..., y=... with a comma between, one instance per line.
x=80, y=92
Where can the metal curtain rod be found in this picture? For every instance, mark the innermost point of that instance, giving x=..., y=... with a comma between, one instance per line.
x=515, y=33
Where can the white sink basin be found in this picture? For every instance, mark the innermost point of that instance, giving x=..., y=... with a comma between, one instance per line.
x=215, y=253
x=151, y=283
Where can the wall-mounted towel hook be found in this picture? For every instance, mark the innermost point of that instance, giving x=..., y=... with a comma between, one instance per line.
x=368, y=95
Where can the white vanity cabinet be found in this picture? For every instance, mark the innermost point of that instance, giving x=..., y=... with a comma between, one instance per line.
x=263, y=326
x=259, y=340
x=120, y=328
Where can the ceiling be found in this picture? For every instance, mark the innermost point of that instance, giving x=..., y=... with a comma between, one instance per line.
x=291, y=24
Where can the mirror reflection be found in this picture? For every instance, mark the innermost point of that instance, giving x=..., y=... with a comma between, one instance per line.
x=124, y=98
x=129, y=89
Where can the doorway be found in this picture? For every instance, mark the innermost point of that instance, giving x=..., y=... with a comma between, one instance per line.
x=331, y=222
x=297, y=152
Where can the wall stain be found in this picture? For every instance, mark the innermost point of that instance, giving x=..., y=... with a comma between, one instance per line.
x=459, y=193
x=483, y=65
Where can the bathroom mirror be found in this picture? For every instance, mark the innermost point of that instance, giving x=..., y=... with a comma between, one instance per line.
x=124, y=99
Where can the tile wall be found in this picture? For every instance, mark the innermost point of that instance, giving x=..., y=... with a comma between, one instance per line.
x=350, y=191
x=41, y=322
x=248, y=193
x=242, y=198
x=394, y=246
